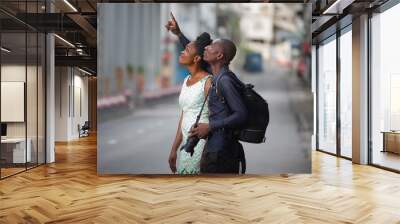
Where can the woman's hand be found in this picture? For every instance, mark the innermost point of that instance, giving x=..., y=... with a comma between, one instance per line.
x=177, y=142
x=172, y=25
x=172, y=160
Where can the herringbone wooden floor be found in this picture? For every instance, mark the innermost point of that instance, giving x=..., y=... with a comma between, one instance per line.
x=70, y=191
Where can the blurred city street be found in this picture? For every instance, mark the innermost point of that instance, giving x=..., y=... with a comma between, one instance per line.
x=141, y=142
x=140, y=79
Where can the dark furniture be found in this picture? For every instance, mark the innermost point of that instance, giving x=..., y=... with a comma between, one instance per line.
x=84, y=130
x=391, y=141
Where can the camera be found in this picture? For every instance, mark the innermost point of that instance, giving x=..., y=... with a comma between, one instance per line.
x=190, y=144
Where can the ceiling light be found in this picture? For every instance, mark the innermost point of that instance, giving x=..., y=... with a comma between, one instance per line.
x=5, y=49
x=70, y=5
x=84, y=71
x=64, y=40
x=338, y=6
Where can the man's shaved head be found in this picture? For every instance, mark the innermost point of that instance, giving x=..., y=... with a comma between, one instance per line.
x=220, y=50
x=229, y=49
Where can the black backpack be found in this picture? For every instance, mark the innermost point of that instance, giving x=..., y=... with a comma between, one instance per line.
x=253, y=131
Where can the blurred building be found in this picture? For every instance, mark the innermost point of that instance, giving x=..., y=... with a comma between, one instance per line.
x=128, y=61
x=257, y=25
x=132, y=67
x=270, y=29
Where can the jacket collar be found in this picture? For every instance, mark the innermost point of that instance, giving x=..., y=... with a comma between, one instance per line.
x=223, y=70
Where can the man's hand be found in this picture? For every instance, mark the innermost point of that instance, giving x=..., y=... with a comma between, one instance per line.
x=200, y=131
x=172, y=25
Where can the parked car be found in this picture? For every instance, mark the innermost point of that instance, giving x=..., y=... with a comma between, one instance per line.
x=253, y=62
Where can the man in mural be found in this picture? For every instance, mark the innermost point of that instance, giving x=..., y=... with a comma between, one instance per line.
x=223, y=152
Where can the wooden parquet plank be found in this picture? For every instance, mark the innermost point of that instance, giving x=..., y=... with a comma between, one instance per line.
x=70, y=191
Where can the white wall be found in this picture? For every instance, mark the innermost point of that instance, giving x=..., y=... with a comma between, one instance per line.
x=61, y=103
x=70, y=84
x=33, y=126
x=81, y=94
x=12, y=73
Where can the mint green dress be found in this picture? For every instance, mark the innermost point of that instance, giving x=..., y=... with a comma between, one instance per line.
x=191, y=99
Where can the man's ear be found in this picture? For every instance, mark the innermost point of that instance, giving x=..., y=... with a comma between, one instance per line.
x=197, y=59
x=220, y=56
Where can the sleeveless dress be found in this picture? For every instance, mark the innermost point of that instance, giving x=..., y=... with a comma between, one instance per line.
x=191, y=99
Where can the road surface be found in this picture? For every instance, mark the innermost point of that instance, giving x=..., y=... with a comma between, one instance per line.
x=140, y=142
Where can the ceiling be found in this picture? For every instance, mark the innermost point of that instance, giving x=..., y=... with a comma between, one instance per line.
x=330, y=15
x=76, y=22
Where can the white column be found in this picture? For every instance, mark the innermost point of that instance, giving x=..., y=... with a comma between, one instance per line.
x=50, y=99
x=314, y=93
x=360, y=90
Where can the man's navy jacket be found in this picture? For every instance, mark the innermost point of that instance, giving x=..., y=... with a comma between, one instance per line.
x=227, y=110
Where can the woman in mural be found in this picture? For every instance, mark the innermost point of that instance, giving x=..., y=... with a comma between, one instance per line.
x=194, y=90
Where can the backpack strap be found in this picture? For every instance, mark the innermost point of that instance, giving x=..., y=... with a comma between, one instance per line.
x=227, y=109
x=216, y=88
x=234, y=77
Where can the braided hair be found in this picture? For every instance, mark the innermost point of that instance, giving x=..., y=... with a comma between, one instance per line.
x=201, y=42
